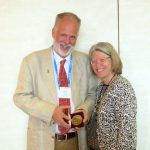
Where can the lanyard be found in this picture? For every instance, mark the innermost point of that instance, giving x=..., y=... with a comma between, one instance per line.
x=69, y=71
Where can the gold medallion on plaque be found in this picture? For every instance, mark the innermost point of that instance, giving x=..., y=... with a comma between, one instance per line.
x=77, y=120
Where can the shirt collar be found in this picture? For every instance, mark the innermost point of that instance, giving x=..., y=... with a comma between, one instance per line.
x=58, y=58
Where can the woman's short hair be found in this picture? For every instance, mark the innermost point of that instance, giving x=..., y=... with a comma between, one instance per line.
x=109, y=50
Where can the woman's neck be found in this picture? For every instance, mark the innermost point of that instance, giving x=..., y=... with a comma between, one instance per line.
x=110, y=79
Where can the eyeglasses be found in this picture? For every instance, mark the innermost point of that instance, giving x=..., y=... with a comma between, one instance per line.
x=97, y=61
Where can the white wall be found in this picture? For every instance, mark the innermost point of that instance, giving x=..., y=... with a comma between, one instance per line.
x=25, y=26
x=135, y=53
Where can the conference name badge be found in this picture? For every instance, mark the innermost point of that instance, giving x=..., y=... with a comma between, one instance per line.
x=64, y=92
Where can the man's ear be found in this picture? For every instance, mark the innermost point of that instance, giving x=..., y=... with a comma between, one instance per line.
x=53, y=32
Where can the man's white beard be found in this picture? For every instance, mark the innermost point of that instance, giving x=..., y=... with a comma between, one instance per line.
x=61, y=52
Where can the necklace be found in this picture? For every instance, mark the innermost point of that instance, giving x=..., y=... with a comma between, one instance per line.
x=104, y=87
x=110, y=79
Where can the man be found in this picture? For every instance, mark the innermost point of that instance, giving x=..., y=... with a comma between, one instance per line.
x=39, y=90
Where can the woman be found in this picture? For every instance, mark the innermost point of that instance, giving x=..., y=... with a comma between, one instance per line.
x=115, y=107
